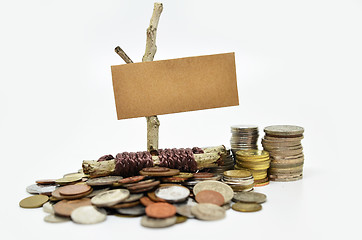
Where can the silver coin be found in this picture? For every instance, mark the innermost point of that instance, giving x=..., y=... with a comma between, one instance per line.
x=134, y=211
x=244, y=126
x=133, y=197
x=185, y=210
x=40, y=189
x=173, y=193
x=88, y=215
x=284, y=130
x=110, y=198
x=103, y=181
x=48, y=208
x=97, y=191
x=208, y=211
x=51, y=218
x=249, y=197
x=158, y=222
x=226, y=206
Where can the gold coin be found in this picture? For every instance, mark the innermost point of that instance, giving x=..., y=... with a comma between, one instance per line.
x=33, y=201
x=252, y=153
x=242, y=173
x=181, y=219
x=184, y=175
x=251, y=159
x=70, y=175
x=69, y=179
x=253, y=167
x=241, y=188
x=246, y=207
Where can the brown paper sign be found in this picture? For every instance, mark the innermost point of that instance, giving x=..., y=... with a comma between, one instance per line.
x=175, y=85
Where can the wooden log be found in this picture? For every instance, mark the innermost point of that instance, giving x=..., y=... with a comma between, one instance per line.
x=210, y=158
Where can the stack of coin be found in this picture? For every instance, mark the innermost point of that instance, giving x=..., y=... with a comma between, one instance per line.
x=244, y=137
x=283, y=142
x=239, y=180
x=227, y=163
x=257, y=162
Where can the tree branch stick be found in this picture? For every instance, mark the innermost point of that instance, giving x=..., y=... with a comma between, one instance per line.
x=208, y=159
x=153, y=123
x=123, y=55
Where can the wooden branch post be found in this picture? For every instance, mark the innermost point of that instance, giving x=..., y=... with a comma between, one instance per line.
x=153, y=123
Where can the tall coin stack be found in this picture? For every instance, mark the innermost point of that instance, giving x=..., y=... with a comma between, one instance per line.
x=243, y=137
x=283, y=142
x=257, y=162
x=239, y=180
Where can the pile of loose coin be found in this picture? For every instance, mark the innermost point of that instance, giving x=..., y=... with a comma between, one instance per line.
x=283, y=142
x=256, y=161
x=83, y=200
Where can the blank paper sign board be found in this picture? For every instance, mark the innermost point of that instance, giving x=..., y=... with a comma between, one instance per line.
x=175, y=85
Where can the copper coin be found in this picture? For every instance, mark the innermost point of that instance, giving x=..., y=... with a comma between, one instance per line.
x=125, y=205
x=65, y=208
x=171, y=172
x=141, y=190
x=133, y=179
x=145, y=185
x=203, y=175
x=145, y=201
x=58, y=196
x=45, y=181
x=71, y=190
x=153, y=197
x=210, y=196
x=156, y=169
x=173, y=179
x=138, y=183
x=161, y=210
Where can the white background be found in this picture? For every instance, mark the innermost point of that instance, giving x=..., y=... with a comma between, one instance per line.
x=298, y=62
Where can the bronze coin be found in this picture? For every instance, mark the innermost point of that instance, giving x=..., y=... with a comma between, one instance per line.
x=210, y=196
x=58, y=196
x=71, y=190
x=45, y=181
x=65, y=208
x=125, y=205
x=138, y=183
x=146, y=189
x=156, y=169
x=145, y=201
x=145, y=185
x=174, y=179
x=171, y=172
x=161, y=210
x=181, y=219
x=133, y=179
x=153, y=197
x=203, y=175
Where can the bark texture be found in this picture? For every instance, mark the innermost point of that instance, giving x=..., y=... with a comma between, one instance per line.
x=210, y=158
x=153, y=123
